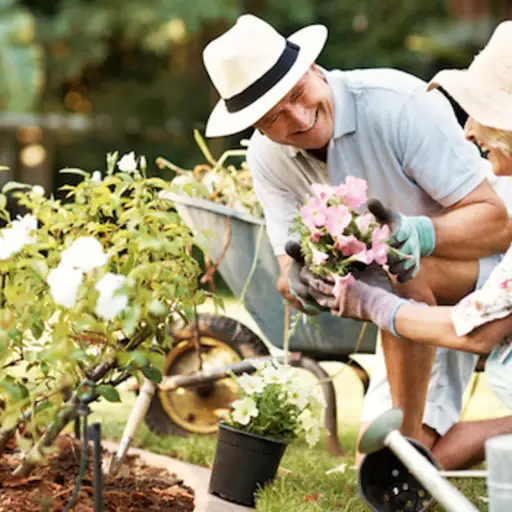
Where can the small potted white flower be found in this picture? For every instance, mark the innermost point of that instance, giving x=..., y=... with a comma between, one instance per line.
x=275, y=407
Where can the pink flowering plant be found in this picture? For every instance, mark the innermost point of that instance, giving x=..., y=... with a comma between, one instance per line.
x=335, y=236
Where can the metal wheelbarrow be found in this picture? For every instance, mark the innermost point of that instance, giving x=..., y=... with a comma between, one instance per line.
x=188, y=401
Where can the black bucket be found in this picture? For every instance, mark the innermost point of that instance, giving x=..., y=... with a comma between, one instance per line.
x=243, y=462
x=386, y=485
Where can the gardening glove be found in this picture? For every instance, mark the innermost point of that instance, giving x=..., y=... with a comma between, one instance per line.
x=412, y=236
x=369, y=298
x=297, y=288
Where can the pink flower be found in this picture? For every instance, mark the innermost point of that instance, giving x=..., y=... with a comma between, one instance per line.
x=319, y=257
x=316, y=234
x=363, y=256
x=338, y=218
x=380, y=235
x=314, y=213
x=363, y=223
x=380, y=253
x=322, y=192
x=353, y=192
x=341, y=282
x=349, y=245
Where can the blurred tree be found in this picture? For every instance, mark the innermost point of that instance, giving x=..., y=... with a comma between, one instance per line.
x=21, y=66
x=135, y=66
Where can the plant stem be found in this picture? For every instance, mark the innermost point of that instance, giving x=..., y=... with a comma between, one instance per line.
x=68, y=412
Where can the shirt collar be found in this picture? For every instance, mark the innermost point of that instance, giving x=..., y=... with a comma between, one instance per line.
x=344, y=109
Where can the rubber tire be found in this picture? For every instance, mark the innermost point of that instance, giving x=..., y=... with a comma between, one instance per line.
x=245, y=342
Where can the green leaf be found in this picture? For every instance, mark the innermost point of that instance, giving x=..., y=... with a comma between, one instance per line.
x=37, y=327
x=109, y=393
x=45, y=369
x=74, y=170
x=13, y=390
x=14, y=185
x=157, y=360
x=158, y=308
x=152, y=374
x=131, y=320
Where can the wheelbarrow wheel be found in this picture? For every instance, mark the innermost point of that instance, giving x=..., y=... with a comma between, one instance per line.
x=187, y=411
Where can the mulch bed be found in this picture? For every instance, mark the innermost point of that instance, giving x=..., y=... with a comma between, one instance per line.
x=49, y=487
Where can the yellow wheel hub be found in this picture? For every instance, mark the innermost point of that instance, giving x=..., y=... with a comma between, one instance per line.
x=197, y=409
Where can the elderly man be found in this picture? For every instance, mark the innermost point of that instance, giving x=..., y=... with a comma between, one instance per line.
x=318, y=126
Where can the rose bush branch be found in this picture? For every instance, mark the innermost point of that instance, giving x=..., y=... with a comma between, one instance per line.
x=89, y=282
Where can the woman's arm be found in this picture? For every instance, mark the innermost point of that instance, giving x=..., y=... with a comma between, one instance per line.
x=423, y=324
x=433, y=325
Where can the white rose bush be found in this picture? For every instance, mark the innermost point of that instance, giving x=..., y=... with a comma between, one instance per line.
x=88, y=286
x=275, y=402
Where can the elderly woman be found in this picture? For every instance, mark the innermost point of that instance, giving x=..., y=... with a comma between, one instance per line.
x=481, y=322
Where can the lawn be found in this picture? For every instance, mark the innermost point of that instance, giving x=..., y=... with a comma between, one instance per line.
x=302, y=483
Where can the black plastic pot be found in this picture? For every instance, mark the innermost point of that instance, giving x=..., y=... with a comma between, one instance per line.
x=243, y=463
x=386, y=485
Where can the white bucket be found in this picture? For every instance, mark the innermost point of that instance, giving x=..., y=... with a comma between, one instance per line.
x=498, y=452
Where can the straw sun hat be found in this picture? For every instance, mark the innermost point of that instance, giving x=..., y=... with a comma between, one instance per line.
x=253, y=67
x=484, y=90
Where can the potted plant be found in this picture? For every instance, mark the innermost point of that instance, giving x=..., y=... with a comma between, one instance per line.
x=88, y=285
x=275, y=407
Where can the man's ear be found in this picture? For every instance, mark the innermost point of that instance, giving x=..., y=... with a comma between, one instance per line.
x=316, y=71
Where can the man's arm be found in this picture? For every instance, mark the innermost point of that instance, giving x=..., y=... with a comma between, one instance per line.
x=475, y=227
x=450, y=170
x=279, y=207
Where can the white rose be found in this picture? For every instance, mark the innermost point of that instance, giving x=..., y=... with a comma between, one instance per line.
x=85, y=253
x=12, y=240
x=64, y=282
x=244, y=410
x=96, y=177
x=109, y=305
x=128, y=162
x=27, y=222
x=38, y=190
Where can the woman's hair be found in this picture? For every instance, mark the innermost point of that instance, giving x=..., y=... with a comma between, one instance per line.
x=497, y=139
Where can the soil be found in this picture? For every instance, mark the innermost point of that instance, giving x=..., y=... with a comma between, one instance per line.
x=49, y=487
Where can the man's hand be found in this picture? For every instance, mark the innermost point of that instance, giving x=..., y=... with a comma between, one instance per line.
x=369, y=298
x=412, y=236
x=297, y=288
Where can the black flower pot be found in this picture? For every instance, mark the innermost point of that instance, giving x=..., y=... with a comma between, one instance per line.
x=243, y=463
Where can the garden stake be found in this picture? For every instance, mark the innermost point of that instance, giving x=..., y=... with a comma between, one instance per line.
x=384, y=432
x=138, y=413
x=83, y=410
x=94, y=434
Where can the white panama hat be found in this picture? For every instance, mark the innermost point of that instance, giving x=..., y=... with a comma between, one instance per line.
x=484, y=90
x=253, y=67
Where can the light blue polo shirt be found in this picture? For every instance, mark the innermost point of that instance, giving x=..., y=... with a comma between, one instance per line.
x=405, y=142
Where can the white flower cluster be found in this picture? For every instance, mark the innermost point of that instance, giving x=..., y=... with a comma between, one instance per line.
x=82, y=256
x=17, y=235
x=308, y=399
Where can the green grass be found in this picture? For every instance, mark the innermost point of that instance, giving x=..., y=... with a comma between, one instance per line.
x=301, y=484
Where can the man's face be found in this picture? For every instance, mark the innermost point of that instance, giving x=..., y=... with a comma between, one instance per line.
x=304, y=118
